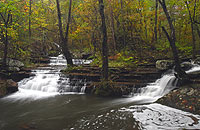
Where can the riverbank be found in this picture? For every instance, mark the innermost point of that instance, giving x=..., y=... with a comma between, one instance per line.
x=186, y=98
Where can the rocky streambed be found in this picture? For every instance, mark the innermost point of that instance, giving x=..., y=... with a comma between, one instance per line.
x=185, y=98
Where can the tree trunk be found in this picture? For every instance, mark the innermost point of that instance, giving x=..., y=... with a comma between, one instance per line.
x=112, y=27
x=192, y=29
x=29, y=22
x=5, y=38
x=104, y=43
x=172, y=40
x=123, y=27
x=64, y=40
x=5, y=49
x=156, y=22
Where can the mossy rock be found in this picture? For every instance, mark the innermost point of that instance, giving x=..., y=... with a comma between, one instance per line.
x=107, y=89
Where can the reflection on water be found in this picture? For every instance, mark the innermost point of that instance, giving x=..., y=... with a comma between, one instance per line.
x=84, y=112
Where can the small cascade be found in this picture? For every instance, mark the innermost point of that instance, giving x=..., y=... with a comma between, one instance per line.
x=159, y=88
x=49, y=81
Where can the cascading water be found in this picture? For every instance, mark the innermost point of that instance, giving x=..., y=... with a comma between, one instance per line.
x=49, y=81
x=159, y=88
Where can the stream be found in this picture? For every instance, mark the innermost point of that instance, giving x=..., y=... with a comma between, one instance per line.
x=51, y=101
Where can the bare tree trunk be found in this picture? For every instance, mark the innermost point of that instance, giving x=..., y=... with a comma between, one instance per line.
x=123, y=27
x=29, y=23
x=192, y=29
x=5, y=38
x=104, y=43
x=156, y=22
x=172, y=40
x=64, y=40
x=69, y=57
x=112, y=27
x=5, y=48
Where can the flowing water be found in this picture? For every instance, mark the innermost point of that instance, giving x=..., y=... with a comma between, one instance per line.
x=52, y=101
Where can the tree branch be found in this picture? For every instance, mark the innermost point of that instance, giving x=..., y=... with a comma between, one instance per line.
x=167, y=34
x=3, y=17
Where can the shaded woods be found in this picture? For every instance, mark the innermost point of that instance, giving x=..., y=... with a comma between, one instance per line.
x=123, y=32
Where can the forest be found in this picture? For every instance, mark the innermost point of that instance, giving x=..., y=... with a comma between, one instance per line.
x=99, y=64
x=31, y=29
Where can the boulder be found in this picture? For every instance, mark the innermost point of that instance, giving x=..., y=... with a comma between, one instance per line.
x=13, y=69
x=197, y=61
x=13, y=65
x=186, y=65
x=7, y=87
x=11, y=86
x=164, y=64
x=86, y=56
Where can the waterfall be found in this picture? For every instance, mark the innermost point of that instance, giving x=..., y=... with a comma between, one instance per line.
x=159, y=88
x=49, y=81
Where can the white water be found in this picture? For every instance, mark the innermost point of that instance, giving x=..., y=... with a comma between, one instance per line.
x=159, y=88
x=49, y=81
x=157, y=117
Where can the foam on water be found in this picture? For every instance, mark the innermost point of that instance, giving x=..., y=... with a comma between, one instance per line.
x=159, y=88
x=47, y=81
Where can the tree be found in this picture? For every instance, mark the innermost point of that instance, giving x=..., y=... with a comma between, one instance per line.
x=29, y=23
x=104, y=43
x=192, y=23
x=8, y=23
x=64, y=40
x=112, y=26
x=156, y=22
x=172, y=40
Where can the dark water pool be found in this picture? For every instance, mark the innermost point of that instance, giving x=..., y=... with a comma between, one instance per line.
x=84, y=112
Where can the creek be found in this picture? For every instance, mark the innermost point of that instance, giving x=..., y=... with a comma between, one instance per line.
x=52, y=101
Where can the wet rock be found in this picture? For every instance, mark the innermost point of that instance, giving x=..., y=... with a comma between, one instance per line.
x=191, y=92
x=183, y=91
x=11, y=86
x=2, y=88
x=164, y=64
x=7, y=87
x=197, y=60
x=13, y=69
x=186, y=65
x=17, y=76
